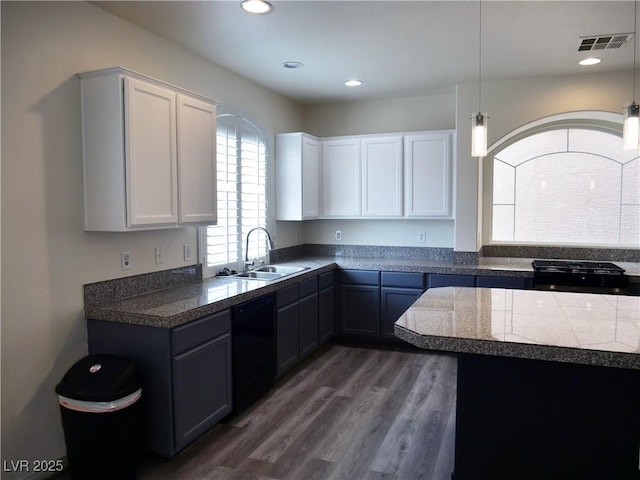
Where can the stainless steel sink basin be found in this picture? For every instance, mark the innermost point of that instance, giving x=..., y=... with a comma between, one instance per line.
x=283, y=269
x=260, y=275
x=270, y=272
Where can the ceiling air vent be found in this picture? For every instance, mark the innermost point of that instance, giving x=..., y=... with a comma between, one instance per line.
x=604, y=42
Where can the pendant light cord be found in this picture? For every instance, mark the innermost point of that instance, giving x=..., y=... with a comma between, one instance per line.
x=635, y=42
x=480, y=58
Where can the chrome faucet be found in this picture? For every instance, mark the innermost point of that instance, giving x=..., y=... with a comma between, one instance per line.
x=247, y=263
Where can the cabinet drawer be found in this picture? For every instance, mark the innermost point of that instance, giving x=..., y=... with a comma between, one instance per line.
x=199, y=331
x=360, y=277
x=437, y=280
x=398, y=279
x=308, y=287
x=326, y=280
x=504, y=282
x=286, y=296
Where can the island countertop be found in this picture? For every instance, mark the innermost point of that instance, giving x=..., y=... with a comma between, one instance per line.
x=581, y=328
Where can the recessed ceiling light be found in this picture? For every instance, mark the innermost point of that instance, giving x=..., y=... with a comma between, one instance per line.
x=293, y=65
x=256, y=6
x=353, y=83
x=590, y=61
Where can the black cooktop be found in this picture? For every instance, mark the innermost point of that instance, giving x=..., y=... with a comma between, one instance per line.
x=578, y=275
x=577, y=266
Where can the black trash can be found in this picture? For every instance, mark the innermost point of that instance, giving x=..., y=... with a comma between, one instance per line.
x=102, y=417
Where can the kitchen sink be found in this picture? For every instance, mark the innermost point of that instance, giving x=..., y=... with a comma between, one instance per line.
x=283, y=269
x=270, y=272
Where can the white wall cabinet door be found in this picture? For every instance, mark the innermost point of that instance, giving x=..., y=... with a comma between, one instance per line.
x=310, y=177
x=428, y=174
x=148, y=153
x=297, y=176
x=196, y=161
x=382, y=176
x=341, y=177
x=151, y=154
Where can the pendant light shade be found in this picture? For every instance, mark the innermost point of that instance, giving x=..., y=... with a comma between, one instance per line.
x=479, y=135
x=631, y=127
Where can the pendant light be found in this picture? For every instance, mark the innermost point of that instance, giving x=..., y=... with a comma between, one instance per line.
x=479, y=120
x=631, y=125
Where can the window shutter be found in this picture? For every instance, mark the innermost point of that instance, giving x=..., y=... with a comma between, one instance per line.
x=241, y=168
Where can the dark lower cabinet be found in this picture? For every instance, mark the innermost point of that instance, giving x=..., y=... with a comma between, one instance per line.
x=185, y=373
x=308, y=317
x=446, y=280
x=520, y=283
x=488, y=281
x=200, y=401
x=371, y=302
x=399, y=291
x=393, y=303
x=326, y=306
x=532, y=419
x=297, y=323
x=359, y=310
x=287, y=325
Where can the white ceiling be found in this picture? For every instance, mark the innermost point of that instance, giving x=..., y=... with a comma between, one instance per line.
x=397, y=48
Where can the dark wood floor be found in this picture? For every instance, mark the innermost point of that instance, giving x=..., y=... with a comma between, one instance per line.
x=347, y=413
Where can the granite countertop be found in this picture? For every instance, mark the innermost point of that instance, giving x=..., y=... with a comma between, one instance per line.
x=168, y=307
x=489, y=266
x=174, y=306
x=580, y=328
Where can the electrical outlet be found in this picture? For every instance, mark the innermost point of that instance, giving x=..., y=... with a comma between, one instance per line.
x=187, y=252
x=422, y=237
x=126, y=260
x=159, y=258
x=338, y=235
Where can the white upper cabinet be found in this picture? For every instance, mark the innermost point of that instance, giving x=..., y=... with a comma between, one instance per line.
x=341, y=177
x=149, y=153
x=382, y=176
x=297, y=176
x=395, y=175
x=428, y=174
x=197, y=161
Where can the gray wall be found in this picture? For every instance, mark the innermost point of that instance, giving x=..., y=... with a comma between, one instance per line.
x=46, y=255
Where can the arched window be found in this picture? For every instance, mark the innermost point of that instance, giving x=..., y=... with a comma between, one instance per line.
x=242, y=194
x=571, y=185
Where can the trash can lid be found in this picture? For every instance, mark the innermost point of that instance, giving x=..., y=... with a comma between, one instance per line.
x=100, y=378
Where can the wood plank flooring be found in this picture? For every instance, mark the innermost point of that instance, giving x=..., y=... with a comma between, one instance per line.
x=346, y=413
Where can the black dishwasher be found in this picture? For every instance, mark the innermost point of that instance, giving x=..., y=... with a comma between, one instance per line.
x=253, y=338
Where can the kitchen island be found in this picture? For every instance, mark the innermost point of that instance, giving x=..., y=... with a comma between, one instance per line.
x=548, y=382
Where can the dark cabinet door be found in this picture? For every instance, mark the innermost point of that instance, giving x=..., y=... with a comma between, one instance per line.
x=393, y=303
x=326, y=308
x=287, y=353
x=202, y=388
x=360, y=310
x=308, y=326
